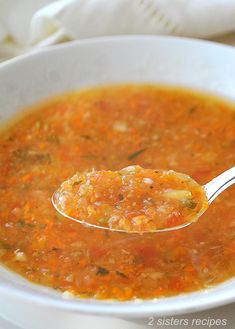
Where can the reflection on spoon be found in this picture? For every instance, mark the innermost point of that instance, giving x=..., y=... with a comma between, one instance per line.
x=135, y=199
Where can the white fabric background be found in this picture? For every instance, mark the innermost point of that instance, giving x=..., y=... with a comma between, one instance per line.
x=36, y=23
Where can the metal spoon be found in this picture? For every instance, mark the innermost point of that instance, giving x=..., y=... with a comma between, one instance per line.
x=212, y=189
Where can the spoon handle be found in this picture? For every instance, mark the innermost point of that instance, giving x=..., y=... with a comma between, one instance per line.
x=219, y=184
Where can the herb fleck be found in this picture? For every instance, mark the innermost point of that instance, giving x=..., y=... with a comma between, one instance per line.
x=103, y=220
x=102, y=271
x=53, y=139
x=189, y=204
x=23, y=155
x=136, y=154
x=121, y=274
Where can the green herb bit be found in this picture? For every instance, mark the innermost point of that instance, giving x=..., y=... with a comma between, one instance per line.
x=55, y=249
x=121, y=274
x=103, y=220
x=53, y=139
x=189, y=204
x=136, y=154
x=21, y=154
x=102, y=271
x=20, y=223
x=32, y=156
x=43, y=157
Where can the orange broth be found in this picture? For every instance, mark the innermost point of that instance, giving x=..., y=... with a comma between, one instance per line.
x=109, y=128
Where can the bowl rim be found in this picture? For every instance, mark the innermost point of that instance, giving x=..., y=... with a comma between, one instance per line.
x=192, y=302
x=35, y=52
x=179, y=304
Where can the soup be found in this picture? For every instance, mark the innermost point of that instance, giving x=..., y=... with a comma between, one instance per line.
x=108, y=128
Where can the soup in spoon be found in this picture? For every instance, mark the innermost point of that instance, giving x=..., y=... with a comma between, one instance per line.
x=132, y=199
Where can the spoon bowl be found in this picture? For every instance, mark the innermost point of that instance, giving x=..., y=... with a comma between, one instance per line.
x=212, y=189
x=112, y=229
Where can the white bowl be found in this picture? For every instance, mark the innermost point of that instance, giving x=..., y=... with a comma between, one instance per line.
x=30, y=78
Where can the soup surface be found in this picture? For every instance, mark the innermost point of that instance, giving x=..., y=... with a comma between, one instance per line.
x=133, y=199
x=110, y=128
